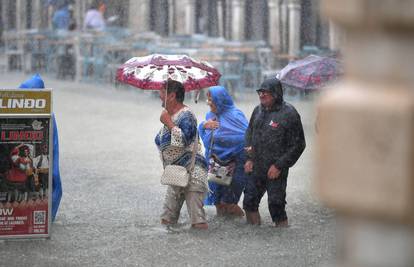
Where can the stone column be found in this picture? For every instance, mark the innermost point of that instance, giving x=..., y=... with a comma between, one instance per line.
x=238, y=12
x=309, y=22
x=220, y=18
x=258, y=20
x=139, y=15
x=212, y=19
x=324, y=35
x=274, y=25
x=190, y=17
x=4, y=20
x=228, y=19
x=179, y=18
x=36, y=14
x=50, y=11
x=159, y=17
x=336, y=38
x=284, y=25
x=79, y=13
x=185, y=17
x=171, y=16
x=366, y=134
x=20, y=15
x=294, y=27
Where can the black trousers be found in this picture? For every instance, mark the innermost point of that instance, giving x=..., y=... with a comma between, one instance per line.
x=257, y=185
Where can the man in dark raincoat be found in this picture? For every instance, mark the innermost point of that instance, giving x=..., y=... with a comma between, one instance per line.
x=274, y=142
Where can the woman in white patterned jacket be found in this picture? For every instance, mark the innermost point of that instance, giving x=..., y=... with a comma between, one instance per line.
x=175, y=141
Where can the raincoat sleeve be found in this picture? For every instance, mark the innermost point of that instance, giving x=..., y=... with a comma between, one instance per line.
x=184, y=133
x=249, y=134
x=56, y=183
x=295, y=144
x=205, y=135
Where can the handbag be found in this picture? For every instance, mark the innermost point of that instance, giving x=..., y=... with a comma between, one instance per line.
x=219, y=172
x=177, y=175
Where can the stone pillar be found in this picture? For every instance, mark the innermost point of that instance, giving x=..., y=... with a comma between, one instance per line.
x=256, y=29
x=2, y=24
x=336, y=38
x=185, y=17
x=220, y=18
x=159, y=17
x=238, y=11
x=366, y=134
x=50, y=11
x=212, y=19
x=4, y=21
x=228, y=17
x=171, y=17
x=179, y=19
x=190, y=17
x=309, y=22
x=294, y=27
x=274, y=25
x=36, y=14
x=20, y=15
x=79, y=13
x=284, y=25
x=139, y=15
x=324, y=35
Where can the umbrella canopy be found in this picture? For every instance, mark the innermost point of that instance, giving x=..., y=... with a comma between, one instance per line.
x=151, y=72
x=310, y=73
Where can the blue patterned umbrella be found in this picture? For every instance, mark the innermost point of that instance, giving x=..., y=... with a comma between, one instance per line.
x=311, y=73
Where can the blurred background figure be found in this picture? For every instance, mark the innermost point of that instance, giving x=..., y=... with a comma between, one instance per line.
x=61, y=18
x=72, y=24
x=94, y=18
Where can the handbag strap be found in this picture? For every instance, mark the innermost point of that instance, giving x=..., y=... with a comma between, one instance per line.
x=195, y=146
x=211, y=142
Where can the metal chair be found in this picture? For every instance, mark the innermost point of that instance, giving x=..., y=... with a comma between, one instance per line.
x=14, y=50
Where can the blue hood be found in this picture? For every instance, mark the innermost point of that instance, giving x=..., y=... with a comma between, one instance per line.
x=228, y=139
x=34, y=82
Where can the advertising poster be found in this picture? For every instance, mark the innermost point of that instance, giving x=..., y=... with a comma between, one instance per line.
x=25, y=163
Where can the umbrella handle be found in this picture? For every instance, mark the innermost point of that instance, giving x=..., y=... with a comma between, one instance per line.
x=197, y=96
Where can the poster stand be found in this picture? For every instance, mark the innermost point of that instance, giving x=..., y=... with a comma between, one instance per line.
x=25, y=163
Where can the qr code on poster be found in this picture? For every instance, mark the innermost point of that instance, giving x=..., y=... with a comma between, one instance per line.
x=39, y=217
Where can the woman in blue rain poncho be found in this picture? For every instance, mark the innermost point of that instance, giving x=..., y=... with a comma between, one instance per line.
x=37, y=82
x=227, y=125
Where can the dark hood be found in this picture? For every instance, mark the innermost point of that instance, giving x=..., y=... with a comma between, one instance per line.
x=273, y=85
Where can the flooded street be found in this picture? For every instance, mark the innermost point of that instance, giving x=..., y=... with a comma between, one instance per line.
x=112, y=196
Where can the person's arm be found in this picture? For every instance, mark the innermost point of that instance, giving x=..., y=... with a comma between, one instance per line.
x=183, y=134
x=249, y=135
x=86, y=21
x=295, y=145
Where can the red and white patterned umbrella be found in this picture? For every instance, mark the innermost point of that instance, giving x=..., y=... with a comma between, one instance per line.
x=151, y=72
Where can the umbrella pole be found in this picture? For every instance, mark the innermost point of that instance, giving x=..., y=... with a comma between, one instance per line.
x=197, y=96
x=166, y=95
x=165, y=106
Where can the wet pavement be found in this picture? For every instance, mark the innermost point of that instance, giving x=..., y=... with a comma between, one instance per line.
x=112, y=197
